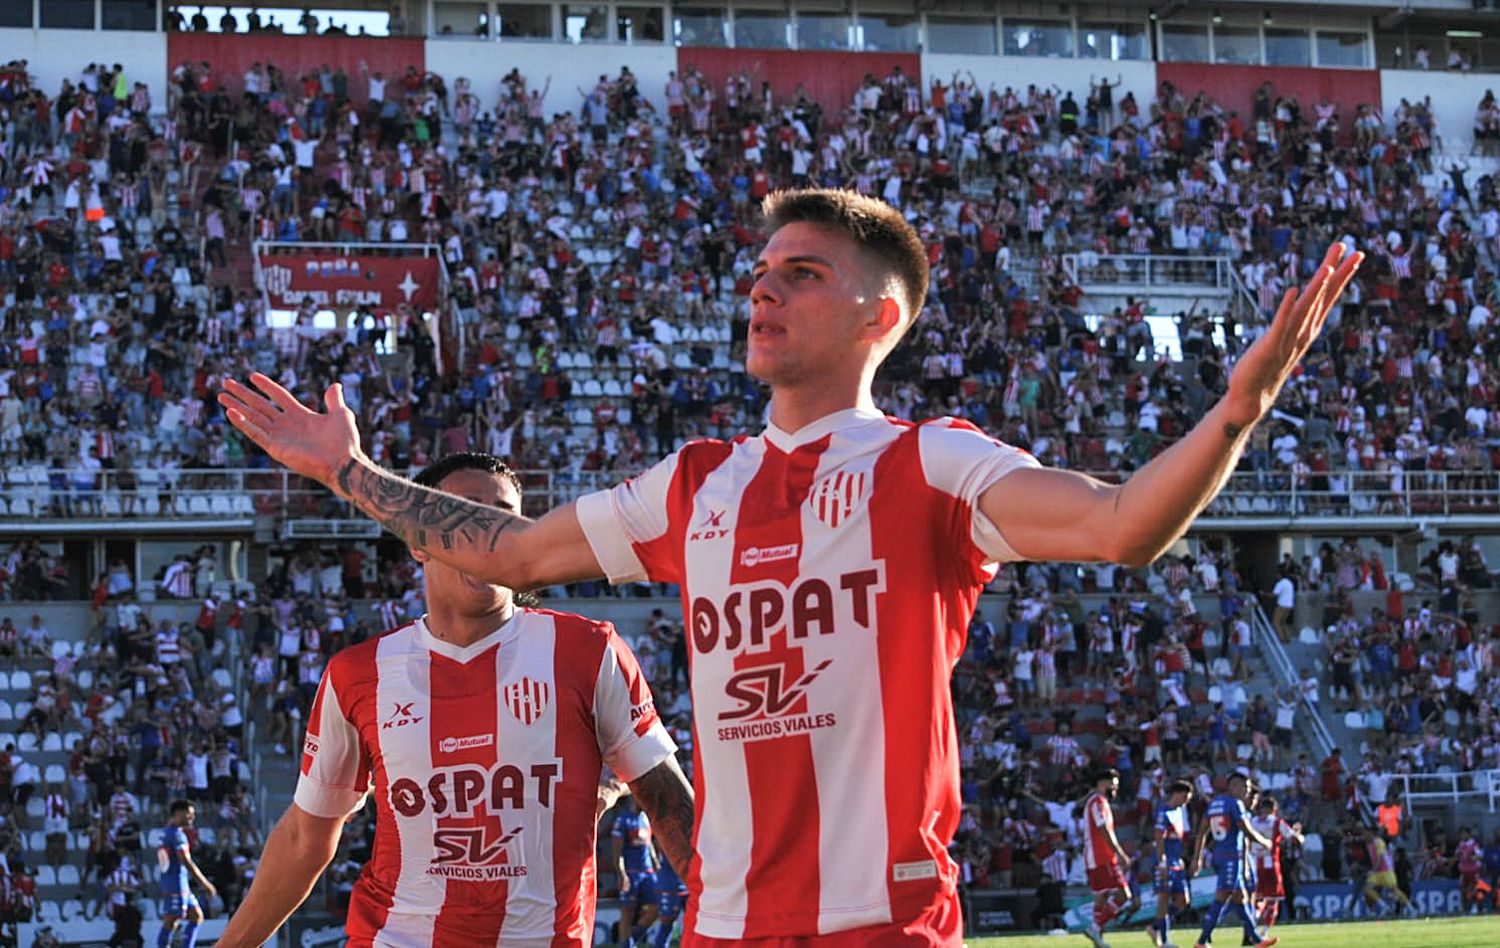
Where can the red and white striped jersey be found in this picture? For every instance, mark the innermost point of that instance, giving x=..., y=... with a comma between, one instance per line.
x=1275, y=829
x=1099, y=822
x=485, y=763
x=828, y=577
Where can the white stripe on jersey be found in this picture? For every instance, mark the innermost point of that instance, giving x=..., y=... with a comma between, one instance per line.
x=402, y=693
x=530, y=899
x=843, y=756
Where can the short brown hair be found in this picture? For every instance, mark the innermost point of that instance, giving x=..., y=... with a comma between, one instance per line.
x=878, y=228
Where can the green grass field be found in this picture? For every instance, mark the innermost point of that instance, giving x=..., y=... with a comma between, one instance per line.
x=1482, y=932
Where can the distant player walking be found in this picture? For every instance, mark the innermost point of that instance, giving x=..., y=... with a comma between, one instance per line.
x=1226, y=827
x=178, y=872
x=1172, y=881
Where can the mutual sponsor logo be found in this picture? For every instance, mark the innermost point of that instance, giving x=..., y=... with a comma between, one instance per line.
x=450, y=745
x=527, y=699
x=402, y=715
x=477, y=853
x=464, y=789
x=310, y=745
x=835, y=498
x=908, y=871
x=758, y=555
x=711, y=527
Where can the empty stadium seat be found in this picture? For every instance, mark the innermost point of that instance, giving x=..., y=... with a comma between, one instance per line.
x=54, y=772
x=20, y=680
x=1354, y=721
x=52, y=742
x=72, y=908
x=1308, y=636
x=46, y=875
x=26, y=742
x=7, y=713
x=67, y=874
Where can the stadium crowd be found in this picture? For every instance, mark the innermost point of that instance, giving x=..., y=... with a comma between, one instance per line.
x=132, y=714
x=598, y=257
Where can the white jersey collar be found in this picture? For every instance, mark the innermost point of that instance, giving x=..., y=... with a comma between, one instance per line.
x=465, y=653
x=848, y=418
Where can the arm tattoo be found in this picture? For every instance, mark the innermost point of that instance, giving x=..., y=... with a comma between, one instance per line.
x=664, y=793
x=1232, y=431
x=423, y=517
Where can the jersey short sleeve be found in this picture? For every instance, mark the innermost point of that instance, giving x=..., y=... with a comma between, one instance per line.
x=961, y=460
x=632, y=739
x=617, y=521
x=334, y=778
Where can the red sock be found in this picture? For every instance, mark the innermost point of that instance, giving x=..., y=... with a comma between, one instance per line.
x=1269, y=911
x=1104, y=913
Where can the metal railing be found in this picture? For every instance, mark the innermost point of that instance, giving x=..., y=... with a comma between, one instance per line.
x=32, y=492
x=1146, y=272
x=1450, y=788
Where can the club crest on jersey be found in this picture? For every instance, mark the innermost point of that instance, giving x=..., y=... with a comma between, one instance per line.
x=527, y=699
x=834, y=499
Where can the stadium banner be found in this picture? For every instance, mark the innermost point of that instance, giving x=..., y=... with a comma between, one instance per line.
x=231, y=54
x=1234, y=87
x=333, y=279
x=1315, y=901
x=828, y=78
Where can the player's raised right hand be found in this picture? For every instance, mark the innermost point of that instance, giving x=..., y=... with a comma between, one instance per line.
x=315, y=444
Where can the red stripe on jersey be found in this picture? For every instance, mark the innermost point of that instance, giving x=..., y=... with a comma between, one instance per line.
x=473, y=911
x=662, y=557
x=916, y=659
x=354, y=674
x=784, y=855
x=576, y=657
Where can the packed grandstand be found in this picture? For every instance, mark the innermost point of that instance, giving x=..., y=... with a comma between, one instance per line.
x=596, y=247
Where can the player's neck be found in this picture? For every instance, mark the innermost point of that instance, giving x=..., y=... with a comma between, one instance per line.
x=795, y=407
x=464, y=629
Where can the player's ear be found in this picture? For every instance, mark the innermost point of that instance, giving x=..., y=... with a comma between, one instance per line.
x=884, y=322
x=418, y=555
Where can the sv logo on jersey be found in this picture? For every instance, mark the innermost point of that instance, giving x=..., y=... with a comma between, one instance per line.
x=474, y=854
x=763, y=692
x=473, y=845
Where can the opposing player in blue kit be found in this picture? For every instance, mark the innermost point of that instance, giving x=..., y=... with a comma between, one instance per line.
x=178, y=872
x=1226, y=826
x=635, y=864
x=673, y=897
x=1172, y=894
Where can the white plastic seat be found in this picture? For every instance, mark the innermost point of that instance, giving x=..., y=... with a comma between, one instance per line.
x=36, y=840
x=565, y=360
x=67, y=874
x=1451, y=718
x=20, y=680
x=26, y=742
x=612, y=387
x=85, y=678
x=1215, y=694
x=198, y=505
x=62, y=649
x=72, y=908
x=219, y=505
x=1308, y=636
x=7, y=713
x=36, y=808
x=1243, y=751
x=1354, y=721
x=54, y=773
x=52, y=743
x=592, y=388
x=46, y=875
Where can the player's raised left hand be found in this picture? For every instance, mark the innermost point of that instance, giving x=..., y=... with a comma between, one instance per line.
x=1264, y=368
x=315, y=444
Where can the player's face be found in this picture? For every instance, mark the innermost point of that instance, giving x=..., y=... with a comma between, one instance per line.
x=816, y=308
x=1110, y=788
x=456, y=587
